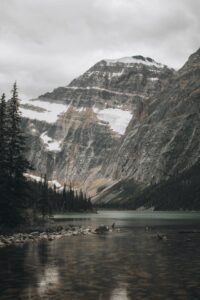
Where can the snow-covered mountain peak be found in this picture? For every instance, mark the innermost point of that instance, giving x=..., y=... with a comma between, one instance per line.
x=74, y=129
x=138, y=59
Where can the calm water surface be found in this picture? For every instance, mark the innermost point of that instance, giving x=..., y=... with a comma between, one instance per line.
x=130, y=264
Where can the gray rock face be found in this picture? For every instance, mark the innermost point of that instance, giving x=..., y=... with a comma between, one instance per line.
x=165, y=138
x=125, y=122
x=114, y=82
x=79, y=143
x=84, y=144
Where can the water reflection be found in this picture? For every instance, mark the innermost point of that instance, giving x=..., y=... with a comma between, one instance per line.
x=48, y=281
x=119, y=294
x=120, y=266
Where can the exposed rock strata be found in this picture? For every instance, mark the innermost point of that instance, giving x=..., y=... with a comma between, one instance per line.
x=166, y=139
x=82, y=142
x=86, y=133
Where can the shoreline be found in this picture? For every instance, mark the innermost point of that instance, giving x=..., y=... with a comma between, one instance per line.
x=48, y=234
x=48, y=231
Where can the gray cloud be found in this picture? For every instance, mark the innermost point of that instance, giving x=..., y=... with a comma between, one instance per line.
x=45, y=44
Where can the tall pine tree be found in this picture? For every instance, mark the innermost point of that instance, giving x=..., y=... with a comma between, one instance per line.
x=17, y=163
x=3, y=138
x=44, y=199
x=3, y=159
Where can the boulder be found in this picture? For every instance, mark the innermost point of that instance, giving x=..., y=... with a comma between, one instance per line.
x=102, y=229
x=1, y=244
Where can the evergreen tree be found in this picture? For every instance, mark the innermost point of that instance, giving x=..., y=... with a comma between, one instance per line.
x=3, y=137
x=17, y=163
x=65, y=206
x=81, y=200
x=44, y=200
x=76, y=201
x=16, y=194
x=71, y=198
x=3, y=159
x=89, y=203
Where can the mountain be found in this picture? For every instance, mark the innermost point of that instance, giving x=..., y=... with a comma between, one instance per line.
x=162, y=142
x=75, y=131
x=122, y=127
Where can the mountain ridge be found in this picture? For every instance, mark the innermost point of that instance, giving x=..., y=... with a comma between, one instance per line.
x=93, y=154
x=167, y=140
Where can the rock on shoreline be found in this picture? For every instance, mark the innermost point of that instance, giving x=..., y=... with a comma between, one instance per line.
x=48, y=234
x=51, y=234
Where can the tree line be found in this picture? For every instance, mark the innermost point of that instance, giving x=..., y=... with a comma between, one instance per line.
x=16, y=192
x=50, y=200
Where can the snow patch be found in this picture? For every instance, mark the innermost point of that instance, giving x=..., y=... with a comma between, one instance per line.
x=50, y=144
x=79, y=109
x=50, y=111
x=33, y=177
x=105, y=74
x=33, y=130
x=133, y=60
x=91, y=73
x=40, y=179
x=55, y=183
x=153, y=78
x=117, y=119
x=117, y=74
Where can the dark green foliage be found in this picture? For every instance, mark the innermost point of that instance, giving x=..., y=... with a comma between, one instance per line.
x=17, y=196
x=17, y=161
x=13, y=164
x=3, y=139
x=65, y=199
x=44, y=198
x=4, y=209
x=47, y=200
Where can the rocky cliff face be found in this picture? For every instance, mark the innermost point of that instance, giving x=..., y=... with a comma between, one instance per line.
x=121, y=125
x=165, y=138
x=113, y=83
x=75, y=131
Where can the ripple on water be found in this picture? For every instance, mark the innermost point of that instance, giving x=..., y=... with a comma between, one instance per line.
x=131, y=265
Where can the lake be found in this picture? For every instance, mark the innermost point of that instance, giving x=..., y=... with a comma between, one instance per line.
x=131, y=264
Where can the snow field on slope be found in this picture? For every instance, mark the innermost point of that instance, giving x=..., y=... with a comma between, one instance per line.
x=118, y=119
x=50, y=144
x=40, y=179
x=50, y=115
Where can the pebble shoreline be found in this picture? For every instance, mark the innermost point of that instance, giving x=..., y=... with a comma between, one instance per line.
x=47, y=234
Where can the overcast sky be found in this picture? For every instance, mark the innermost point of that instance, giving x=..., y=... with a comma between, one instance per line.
x=46, y=43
